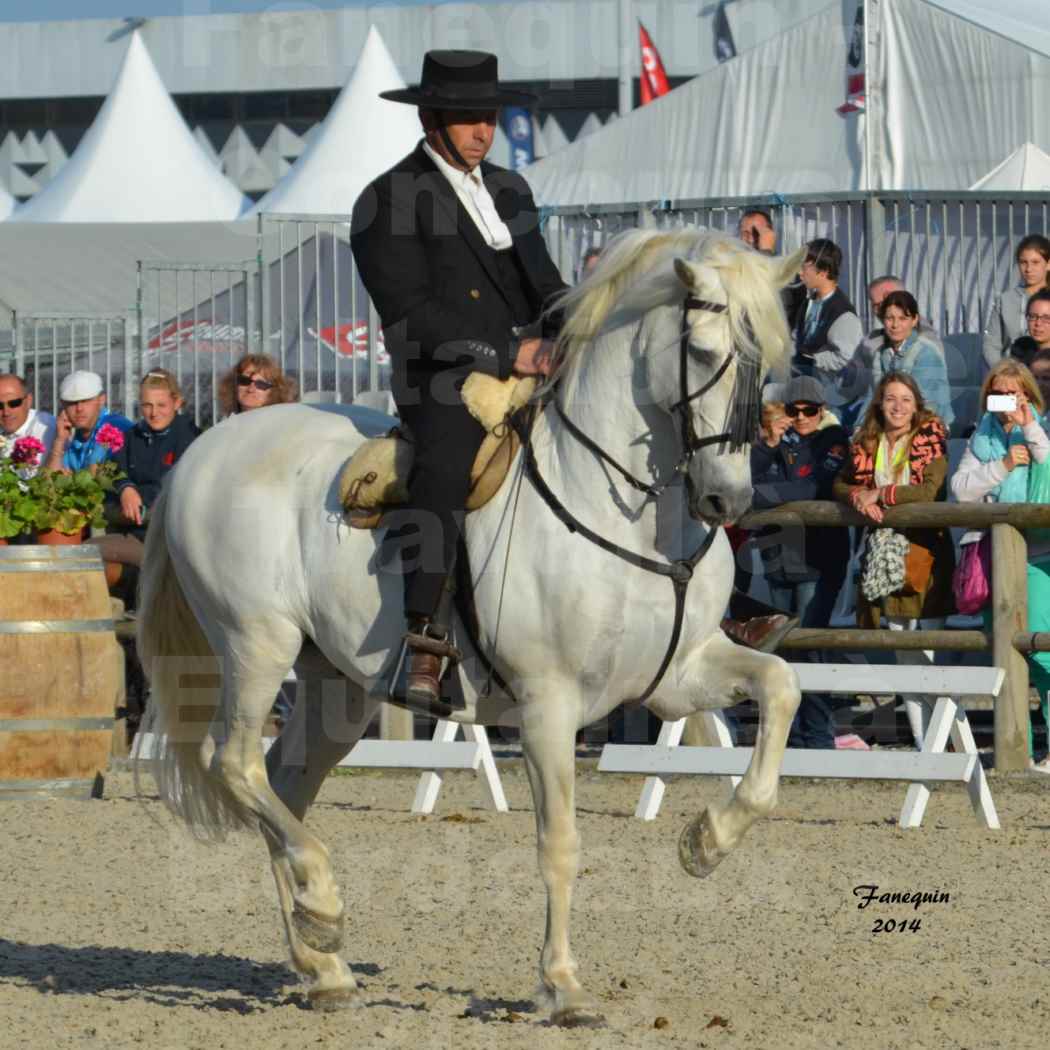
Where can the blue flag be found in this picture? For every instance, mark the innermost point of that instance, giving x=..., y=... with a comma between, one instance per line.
x=517, y=123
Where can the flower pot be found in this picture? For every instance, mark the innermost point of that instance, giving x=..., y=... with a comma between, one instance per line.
x=54, y=538
x=3, y=541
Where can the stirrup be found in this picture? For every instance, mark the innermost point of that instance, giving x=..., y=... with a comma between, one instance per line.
x=430, y=641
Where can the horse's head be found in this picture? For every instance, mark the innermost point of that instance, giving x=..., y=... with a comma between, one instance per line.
x=731, y=330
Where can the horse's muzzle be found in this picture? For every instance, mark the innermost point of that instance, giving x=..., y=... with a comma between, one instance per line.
x=715, y=508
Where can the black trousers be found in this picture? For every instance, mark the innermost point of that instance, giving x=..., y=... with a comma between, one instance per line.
x=447, y=438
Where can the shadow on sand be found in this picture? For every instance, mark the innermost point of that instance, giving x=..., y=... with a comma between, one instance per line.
x=167, y=978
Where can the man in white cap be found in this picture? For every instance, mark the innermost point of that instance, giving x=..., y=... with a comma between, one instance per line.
x=83, y=414
x=18, y=417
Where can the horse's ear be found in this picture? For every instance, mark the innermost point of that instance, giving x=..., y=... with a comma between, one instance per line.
x=701, y=280
x=787, y=268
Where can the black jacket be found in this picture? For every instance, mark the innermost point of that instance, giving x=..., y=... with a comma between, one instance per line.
x=148, y=455
x=837, y=304
x=800, y=468
x=431, y=275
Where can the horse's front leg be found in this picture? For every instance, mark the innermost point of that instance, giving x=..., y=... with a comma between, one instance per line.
x=549, y=744
x=731, y=673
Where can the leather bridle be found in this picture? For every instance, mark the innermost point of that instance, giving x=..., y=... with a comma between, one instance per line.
x=680, y=572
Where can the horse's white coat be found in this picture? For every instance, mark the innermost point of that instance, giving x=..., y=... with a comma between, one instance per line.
x=249, y=536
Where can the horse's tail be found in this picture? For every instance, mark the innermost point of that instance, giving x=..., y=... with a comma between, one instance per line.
x=184, y=692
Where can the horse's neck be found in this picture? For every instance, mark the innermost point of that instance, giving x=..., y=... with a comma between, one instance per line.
x=603, y=400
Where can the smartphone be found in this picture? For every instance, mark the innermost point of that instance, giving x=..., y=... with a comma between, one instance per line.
x=1002, y=403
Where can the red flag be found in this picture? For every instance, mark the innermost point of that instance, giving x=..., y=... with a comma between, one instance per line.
x=654, y=77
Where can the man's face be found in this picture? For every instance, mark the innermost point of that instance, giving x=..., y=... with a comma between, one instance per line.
x=754, y=230
x=471, y=132
x=84, y=414
x=878, y=292
x=809, y=276
x=12, y=416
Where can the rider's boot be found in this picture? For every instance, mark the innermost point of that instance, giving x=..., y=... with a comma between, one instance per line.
x=764, y=633
x=427, y=655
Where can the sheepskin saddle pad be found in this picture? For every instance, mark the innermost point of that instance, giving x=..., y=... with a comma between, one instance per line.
x=376, y=478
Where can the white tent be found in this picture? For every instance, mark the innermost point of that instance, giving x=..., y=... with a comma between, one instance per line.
x=242, y=165
x=56, y=157
x=552, y=132
x=1026, y=169
x=7, y=204
x=282, y=148
x=949, y=93
x=205, y=144
x=361, y=137
x=138, y=162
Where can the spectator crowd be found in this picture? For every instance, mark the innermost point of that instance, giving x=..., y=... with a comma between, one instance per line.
x=865, y=420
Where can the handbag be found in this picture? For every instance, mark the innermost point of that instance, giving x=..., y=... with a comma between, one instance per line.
x=918, y=567
x=884, y=566
x=972, y=579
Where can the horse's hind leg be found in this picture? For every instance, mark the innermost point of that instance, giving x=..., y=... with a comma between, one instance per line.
x=322, y=730
x=548, y=734
x=732, y=673
x=254, y=665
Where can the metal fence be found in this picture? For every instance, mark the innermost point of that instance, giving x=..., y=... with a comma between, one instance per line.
x=953, y=251
x=48, y=346
x=301, y=299
x=196, y=320
x=317, y=319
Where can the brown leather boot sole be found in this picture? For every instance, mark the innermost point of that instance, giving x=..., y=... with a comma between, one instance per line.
x=763, y=633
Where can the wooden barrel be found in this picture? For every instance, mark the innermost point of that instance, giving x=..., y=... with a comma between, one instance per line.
x=62, y=672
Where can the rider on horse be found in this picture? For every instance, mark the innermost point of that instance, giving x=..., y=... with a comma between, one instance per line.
x=449, y=249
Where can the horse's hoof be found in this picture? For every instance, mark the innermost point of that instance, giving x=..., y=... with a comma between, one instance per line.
x=329, y=1000
x=697, y=851
x=321, y=934
x=577, y=1017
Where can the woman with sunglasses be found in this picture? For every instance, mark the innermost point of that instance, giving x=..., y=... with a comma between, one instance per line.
x=797, y=458
x=1006, y=319
x=1037, y=319
x=899, y=455
x=254, y=382
x=995, y=468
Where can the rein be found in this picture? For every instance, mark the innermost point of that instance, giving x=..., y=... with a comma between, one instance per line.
x=679, y=572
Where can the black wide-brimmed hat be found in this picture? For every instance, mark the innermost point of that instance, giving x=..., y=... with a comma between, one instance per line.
x=460, y=80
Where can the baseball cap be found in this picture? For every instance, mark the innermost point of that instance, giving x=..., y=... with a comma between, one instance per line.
x=79, y=386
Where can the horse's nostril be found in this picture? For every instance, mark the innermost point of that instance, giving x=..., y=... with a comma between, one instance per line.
x=718, y=505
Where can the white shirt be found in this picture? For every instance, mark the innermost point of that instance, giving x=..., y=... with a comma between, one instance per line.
x=38, y=424
x=475, y=197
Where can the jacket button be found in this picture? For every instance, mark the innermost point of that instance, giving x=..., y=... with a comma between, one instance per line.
x=475, y=294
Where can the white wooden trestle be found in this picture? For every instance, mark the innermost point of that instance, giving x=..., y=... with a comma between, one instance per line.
x=667, y=757
x=437, y=755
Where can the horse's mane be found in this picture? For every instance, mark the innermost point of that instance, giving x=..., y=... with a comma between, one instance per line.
x=635, y=273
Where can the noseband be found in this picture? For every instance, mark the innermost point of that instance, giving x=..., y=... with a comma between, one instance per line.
x=679, y=572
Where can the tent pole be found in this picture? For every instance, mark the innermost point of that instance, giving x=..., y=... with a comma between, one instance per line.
x=626, y=54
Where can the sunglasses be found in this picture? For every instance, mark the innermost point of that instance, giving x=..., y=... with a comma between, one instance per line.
x=259, y=384
x=809, y=411
x=12, y=404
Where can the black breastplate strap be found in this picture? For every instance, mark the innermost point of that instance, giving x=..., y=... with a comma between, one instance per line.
x=680, y=572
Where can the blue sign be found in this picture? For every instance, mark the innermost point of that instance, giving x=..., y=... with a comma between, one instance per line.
x=517, y=123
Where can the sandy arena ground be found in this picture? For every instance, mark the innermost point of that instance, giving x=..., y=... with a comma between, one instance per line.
x=119, y=931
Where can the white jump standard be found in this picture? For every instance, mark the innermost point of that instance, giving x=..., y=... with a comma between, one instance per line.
x=932, y=764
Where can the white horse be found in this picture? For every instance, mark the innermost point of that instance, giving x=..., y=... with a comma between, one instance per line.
x=249, y=570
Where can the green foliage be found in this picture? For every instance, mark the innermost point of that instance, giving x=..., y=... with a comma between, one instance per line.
x=54, y=500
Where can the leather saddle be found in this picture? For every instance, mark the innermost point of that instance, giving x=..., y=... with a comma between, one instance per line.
x=376, y=478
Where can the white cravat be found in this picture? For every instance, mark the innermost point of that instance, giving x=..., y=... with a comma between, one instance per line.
x=475, y=197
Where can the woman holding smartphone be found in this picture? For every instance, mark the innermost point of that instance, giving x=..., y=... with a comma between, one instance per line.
x=994, y=469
